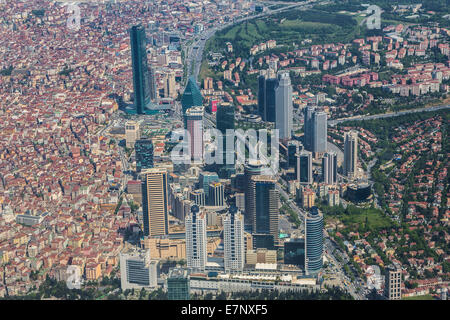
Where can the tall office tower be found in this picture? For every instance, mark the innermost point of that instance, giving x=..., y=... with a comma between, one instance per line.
x=178, y=285
x=155, y=199
x=216, y=195
x=251, y=168
x=270, y=99
x=198, y=196
x=393, y=283
x=196, y=240
x=319, y=129
x=169, y=85
x=284, y=106
x=240, y=201
x=132, y=133
x=192, y=97
x=303, y=168
x=265, y=215
x=144, y=154
x=141, y=79
x=329, y=168
x=294, y=147
x=194, y=121
x=205, y=178
x=224, y=122
x=314, y=241
x=350, y=153
x=261, y=95
x=137, y=270
x=307, y=128
x=153, y=88
x=234, y=242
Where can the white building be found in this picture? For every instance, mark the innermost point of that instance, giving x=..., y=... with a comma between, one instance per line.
x=196, y=240
x=350, y=153
x=194, y=121
x=283, y=106
x=234, y=242
x=137, y=270
x=132, y=133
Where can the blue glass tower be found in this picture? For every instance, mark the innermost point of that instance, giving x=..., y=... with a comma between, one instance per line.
x=144, y=154
x=141, y=77
x=314, y=241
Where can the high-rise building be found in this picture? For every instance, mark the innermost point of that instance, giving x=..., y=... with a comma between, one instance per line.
x=196, y=240
x=284, y=106
x=178, y=286
x=329, y=168
x=144, y=154
x=333, y=198
x=393, y=283
x=199, y=197
x=205, y=178
x=132, y=133
x=251, y=168
x=137, y=270
x=194, y=121
x=224, y=122
x=216, y=195
x=141, y=78
x=350, y=153
x=155, y=199
x=234, y=242
x=270, y=100
x=314, y=241
x=191, y=97
x=261, y=96
x=308, y=132
x=294, y=252
x=319, y=129
x=303, y=168
x=294, y=147
x=266, y=199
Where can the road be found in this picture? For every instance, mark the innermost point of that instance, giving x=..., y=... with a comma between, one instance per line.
x=387, y=115
x=193, y=57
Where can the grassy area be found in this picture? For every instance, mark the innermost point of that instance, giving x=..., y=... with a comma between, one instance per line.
x=375, y=218
x=425, y=297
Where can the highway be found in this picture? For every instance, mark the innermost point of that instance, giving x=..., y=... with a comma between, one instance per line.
x=387, y=115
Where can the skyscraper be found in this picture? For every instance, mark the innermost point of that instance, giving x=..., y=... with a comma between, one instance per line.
x=196, y=240
x=303, y=168
x=261, y=96
x=314, y=241
x=191, y=97
x=270, y=99
x=205, y=178
x=251, y=168
x=194, y=121
x=141, y=79
x=350, y=153
x=284, y=106
x=294, y=252
x=144, y=154
x=307, y=128
x=216, y=194
x=224, y=122
x=329, y=168
x=319, y=129
x=153, y=89
x=169, y=85
x=234, y=242
x=266, y=198
x=155, y=196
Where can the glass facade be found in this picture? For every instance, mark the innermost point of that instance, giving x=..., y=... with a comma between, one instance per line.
x=314, y=241
x=144, y=154
x=178, y=287
x=192, y=96
x=294, y=252
x=141, y=77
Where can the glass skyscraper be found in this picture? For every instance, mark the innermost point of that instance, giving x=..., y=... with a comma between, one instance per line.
x=294, y=252
x=178, y=287
x=319, y=129
x=192, y=96
x=225, y=121
x=314, y=241
x=144, y=154
x=141, y=77
x=303, y=168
